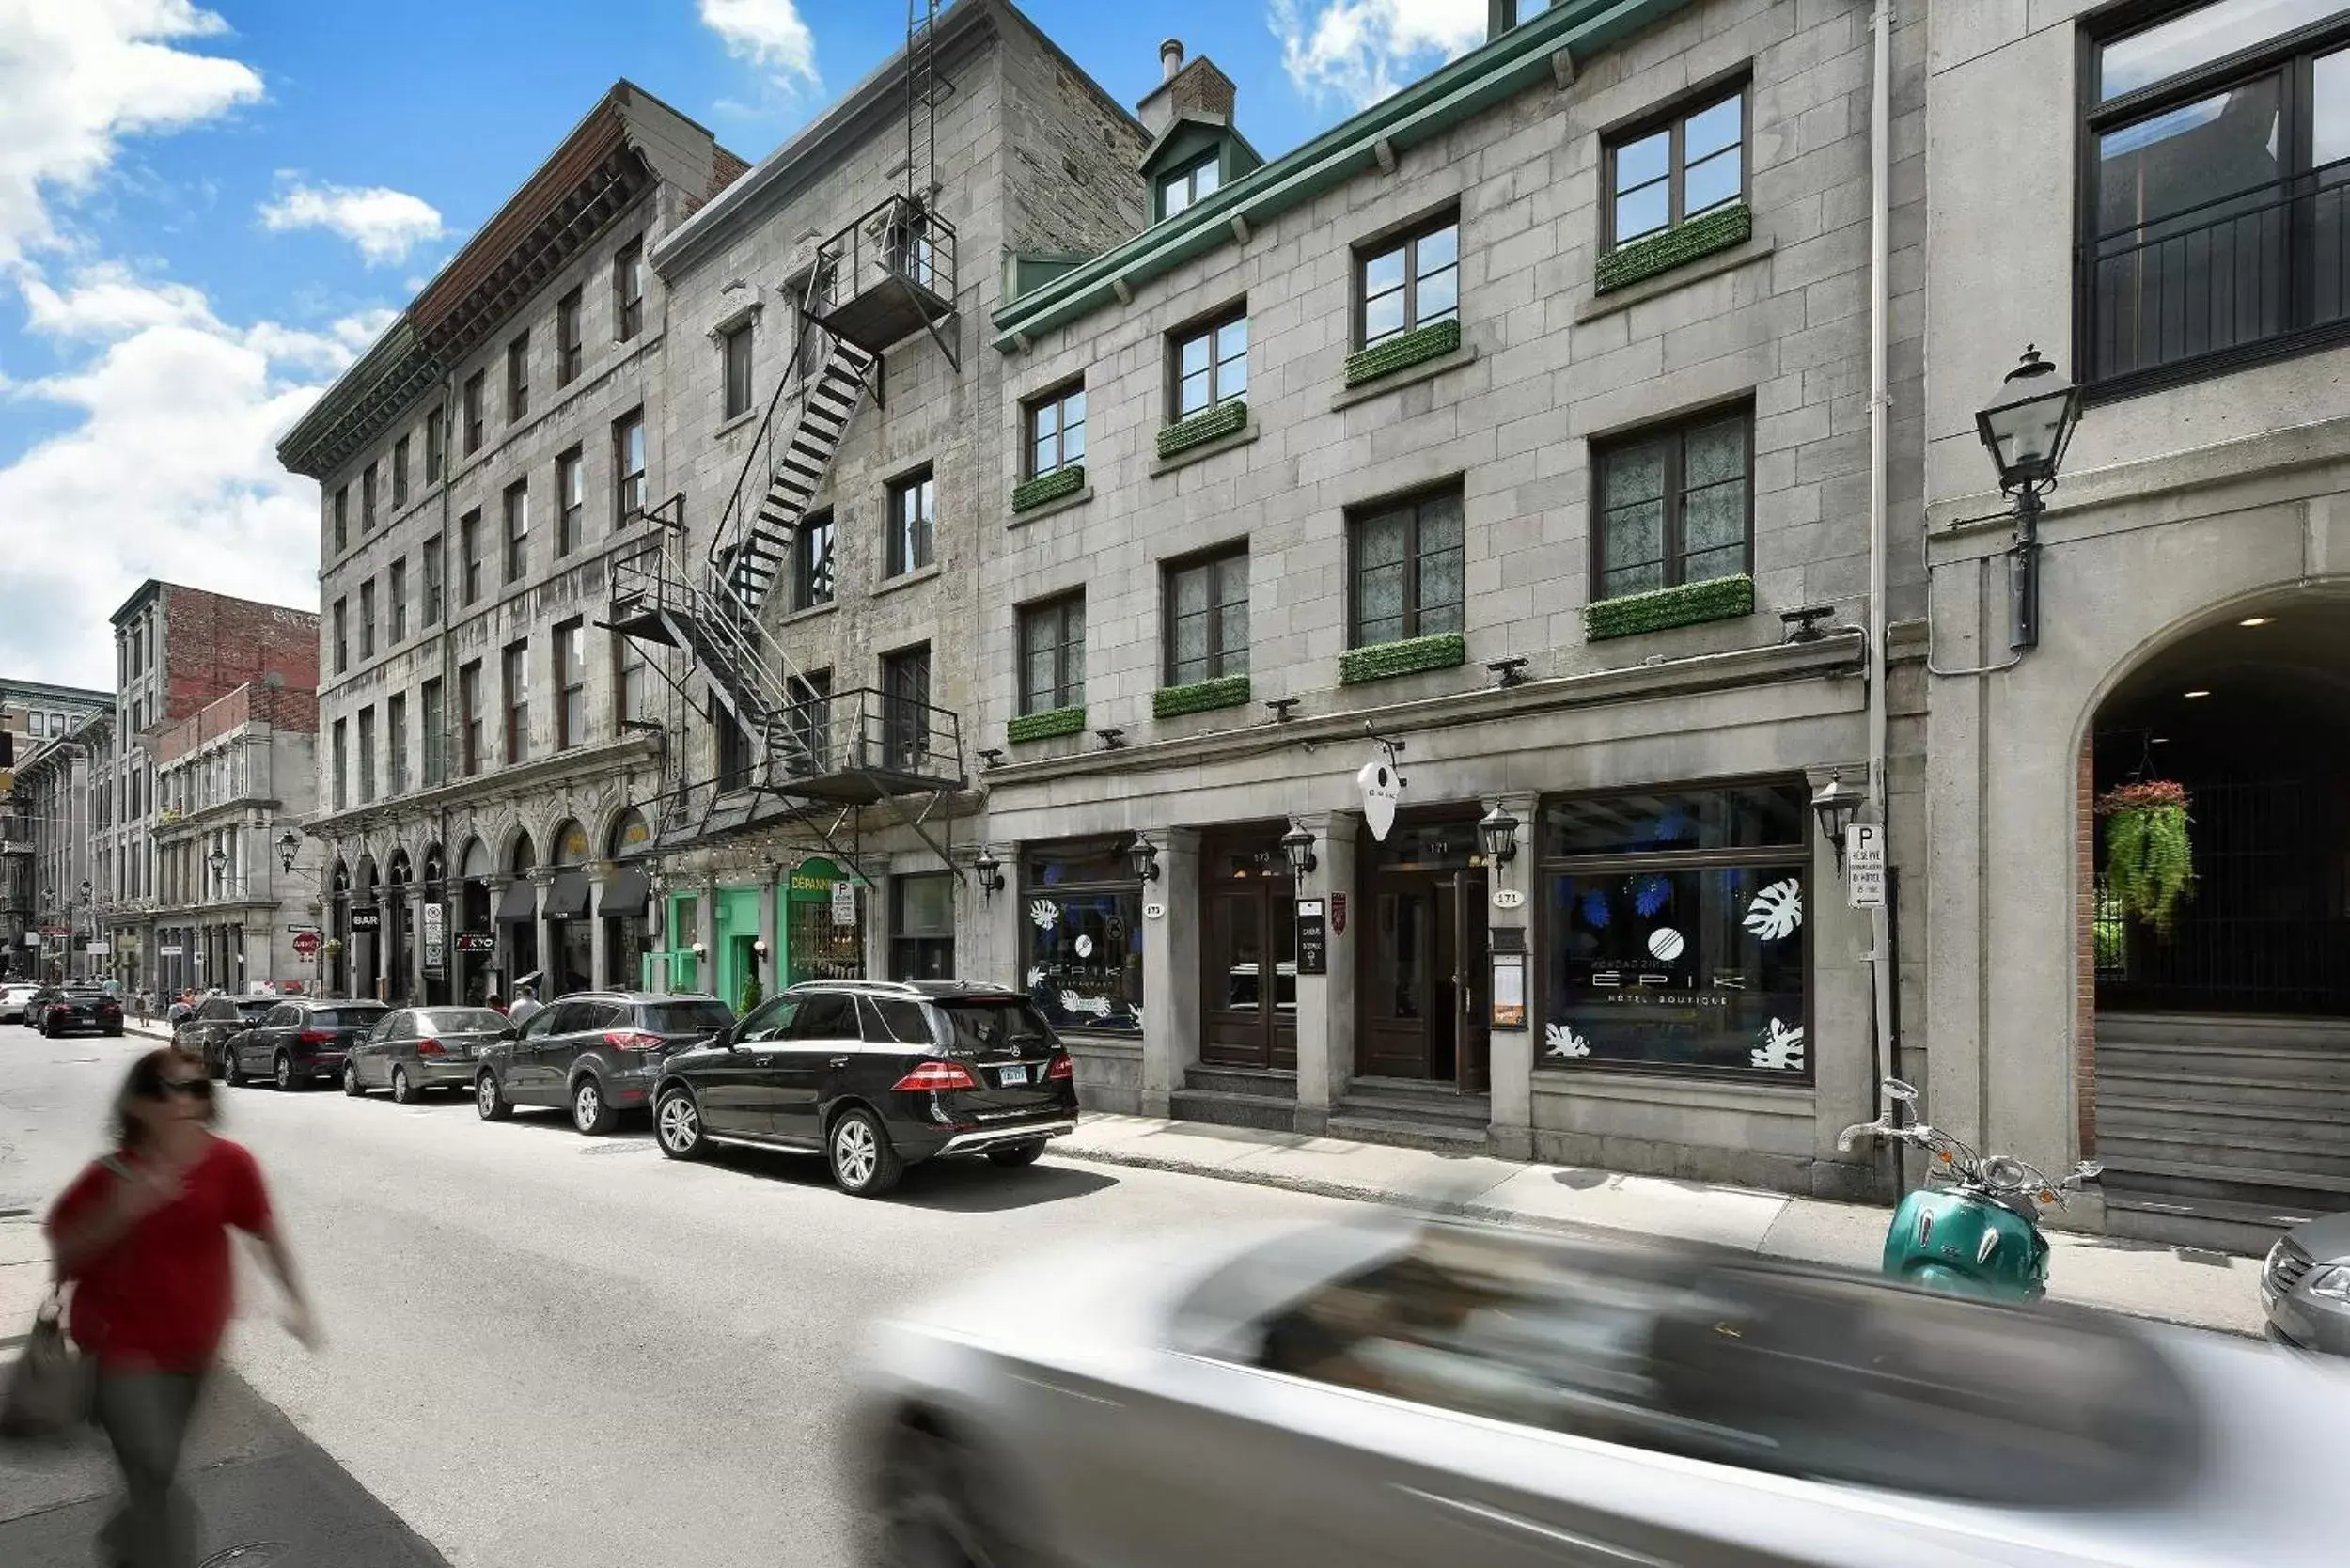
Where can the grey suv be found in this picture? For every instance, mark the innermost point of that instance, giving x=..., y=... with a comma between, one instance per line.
x=594, y=1053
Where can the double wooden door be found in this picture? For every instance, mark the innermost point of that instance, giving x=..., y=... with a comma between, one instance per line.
x=1249, y=974
x=1423, y=976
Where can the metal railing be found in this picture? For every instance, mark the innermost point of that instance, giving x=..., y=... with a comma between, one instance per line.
x=898, y=241
x=866, y=731
x=759, y=463
x=2258, y=265
x=657, y=576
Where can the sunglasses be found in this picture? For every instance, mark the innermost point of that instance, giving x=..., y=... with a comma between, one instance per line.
x=195, y=1088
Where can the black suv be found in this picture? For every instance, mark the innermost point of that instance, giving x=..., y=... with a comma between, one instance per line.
x=875, y=1075
x=62, y=1009
x=216, y=1021
x=299, y=1041
x=594, y=1053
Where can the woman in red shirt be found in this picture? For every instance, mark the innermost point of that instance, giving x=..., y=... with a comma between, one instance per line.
x=143, y=1237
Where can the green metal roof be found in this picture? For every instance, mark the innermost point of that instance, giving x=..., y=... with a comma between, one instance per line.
x=1470, y=86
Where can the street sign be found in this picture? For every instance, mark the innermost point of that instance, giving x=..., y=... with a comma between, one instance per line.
x=305, y=943
x=1864, y=865
x=170, y=949
x=844, y=903
x=476, y=942
x=435, y=936
x=98, y=949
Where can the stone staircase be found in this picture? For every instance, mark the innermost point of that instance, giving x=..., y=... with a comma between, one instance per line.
x=1265, y=1098
x=1410, y=1114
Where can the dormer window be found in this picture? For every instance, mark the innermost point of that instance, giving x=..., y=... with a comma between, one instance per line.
x=1191, y=184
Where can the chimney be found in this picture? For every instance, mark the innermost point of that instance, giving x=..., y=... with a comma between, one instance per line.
x=1195, y=88
x=1170, y=58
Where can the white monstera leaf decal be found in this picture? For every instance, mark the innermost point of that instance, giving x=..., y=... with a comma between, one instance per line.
x=1564, y=1041
x=1045, y=913
x=1777, y=911
x=1781, y=1048
x=1036, y=978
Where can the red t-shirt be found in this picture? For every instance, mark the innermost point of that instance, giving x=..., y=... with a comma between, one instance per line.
x=162, y=1295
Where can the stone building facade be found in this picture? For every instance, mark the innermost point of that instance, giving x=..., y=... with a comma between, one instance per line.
x=32, y=714
x=59, y=796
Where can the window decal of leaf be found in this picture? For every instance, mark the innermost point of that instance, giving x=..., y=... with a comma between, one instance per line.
x=1781, y=1048
x=1045, y=913
x=1595, y=911
x=1651, y=895
x=1564, y=1041
x=1777, y=911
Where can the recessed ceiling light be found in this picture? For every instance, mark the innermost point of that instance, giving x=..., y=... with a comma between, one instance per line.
x=2161, y=740
x=2199, y=694
x=2256, y=621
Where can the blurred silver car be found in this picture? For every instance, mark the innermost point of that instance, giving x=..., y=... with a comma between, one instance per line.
x=1389, y=1395
x=416, y=1048
x=2305, y=1286
x=13, y=996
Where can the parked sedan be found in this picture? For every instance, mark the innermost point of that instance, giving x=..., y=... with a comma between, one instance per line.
x=299, y=1041
x=875, y=1075
x=75, y=1010
x=13, y=997
x=207, y=1032
x=2305, y=1286
x=594, y=1053
x=1390, y=1395
x=416, y=1048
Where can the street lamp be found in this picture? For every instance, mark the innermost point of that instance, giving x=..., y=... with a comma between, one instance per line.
x=1144, y=857
x=289, y=845
x=2027, y=429
x=1835, y=807
x=1298, y=845
x=990, y=872
x=1498, y=832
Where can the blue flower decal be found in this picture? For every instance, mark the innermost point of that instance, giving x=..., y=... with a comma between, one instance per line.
x=1595, y=911
x=1651, y=895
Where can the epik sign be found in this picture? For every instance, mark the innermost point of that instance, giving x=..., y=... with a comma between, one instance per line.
x=1380, y=787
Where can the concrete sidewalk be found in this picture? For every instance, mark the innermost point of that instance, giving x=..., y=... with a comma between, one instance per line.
x=2202, y=1289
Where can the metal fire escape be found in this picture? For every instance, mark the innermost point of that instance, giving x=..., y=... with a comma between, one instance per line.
x=811, y=757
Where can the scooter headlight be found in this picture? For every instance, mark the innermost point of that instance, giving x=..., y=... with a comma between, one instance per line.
x=2333, y=1283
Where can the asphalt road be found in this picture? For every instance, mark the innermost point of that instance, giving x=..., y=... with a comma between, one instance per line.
x=545, y=1349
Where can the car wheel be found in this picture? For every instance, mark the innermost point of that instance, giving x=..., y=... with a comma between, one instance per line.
x=228, y=1074
x=352, y=1086
x=1011, y=1154
x=282, y=1072
x=404, y=1092
x=489, y=1100
x=47, y=1031
x=590, y=1113
x=931, y=1509
x=677, y=1125
x=864, y=1162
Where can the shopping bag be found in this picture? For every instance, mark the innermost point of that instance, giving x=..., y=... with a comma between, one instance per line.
x=48, y=1390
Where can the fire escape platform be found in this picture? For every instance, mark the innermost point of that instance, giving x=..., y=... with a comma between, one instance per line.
x=891, y=310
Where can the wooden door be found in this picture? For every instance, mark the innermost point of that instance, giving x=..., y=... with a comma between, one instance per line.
x=1248, y=977
x=1472, y=982
x=1399, y=979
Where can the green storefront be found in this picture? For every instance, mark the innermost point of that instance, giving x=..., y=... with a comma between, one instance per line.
x=818, y=942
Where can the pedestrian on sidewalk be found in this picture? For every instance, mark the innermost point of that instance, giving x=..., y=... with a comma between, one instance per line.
x=525, y=1004
x=142, y=1237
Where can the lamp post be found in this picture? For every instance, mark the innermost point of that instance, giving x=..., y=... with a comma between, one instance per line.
x=2026, y=430
x=1835, y=807
x=89, y=912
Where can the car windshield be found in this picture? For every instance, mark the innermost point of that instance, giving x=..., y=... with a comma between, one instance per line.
x=349, y=1015
x=252, y=1008
x=703, y=1017
x=462, y=1020
x=987, y=1024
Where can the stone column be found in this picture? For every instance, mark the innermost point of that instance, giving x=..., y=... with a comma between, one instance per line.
x=597, y=872
x=1170, y=971
x=541, y=881
x=706, y=932
x=1513, y=1054
x=419, y=895
x=1326, y=1003
x=771, y=932
x=502, y=949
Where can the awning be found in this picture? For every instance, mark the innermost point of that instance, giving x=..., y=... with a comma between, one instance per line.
x=568, y=899
x=626, y=892
x=519, y=902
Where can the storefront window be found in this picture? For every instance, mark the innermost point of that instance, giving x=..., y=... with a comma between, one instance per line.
x=1081, y=917
x=1675, y=931
x=922, y=927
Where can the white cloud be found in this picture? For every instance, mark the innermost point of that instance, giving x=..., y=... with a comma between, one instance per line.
x=78, y=75
x=767, y=33
x=384, y=224
x=1360, y=50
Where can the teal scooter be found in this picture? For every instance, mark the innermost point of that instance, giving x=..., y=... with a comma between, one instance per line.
x=1973, y=1228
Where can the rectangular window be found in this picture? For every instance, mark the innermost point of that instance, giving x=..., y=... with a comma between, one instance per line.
x=430, y=612
x=1207, y=618
x=2213, y=221
x=1674, y=504
x=571, y=678
x=342, y=763
x=628, y=463
x=1406, y=569
x=435, y=456
x=366, y=498
x=469, y=557
x=395, y=588
x=518, y=377
x=906, y=708
x=735, y=353
x=1677, y=936
x=809, y=722
x=341, y=627
x=922, y=927
x=399, y=472
x=569, y=356
x=1209, y=365
x=1057, y=429
x=517, y=532
x=913, y=522
x=366, y=755
x=472, y=736
x=436, y=718
x=342, y=518
x=811, y=561
x=730, y=746
x=571, y=500
x=396, y=743
x=366, y=619
x=1084, y=963
x=474, y=398
x=1668, y=171
x=632, y=682
x=1052, y=654
x=628, y=290
x=516, y=659
x=1192, y=184
x=1403, y=284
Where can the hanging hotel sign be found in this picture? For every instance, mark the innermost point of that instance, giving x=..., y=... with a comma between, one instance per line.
x=1864, y=865
x=1380, y=784
x=435, y=936
x=1313, y=940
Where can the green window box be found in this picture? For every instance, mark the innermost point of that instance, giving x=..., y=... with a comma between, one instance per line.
x=1413, y=348
x=1445, y=651
x=1716, y=599
x=1202, y=427
x=1048, y=487
x=1229, y=691
x=1685, y=241
x=1045, y=726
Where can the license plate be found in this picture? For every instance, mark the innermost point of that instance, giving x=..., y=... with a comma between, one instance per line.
x=1016, y=1074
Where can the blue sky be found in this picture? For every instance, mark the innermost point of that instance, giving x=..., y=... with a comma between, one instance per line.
x=206, y=210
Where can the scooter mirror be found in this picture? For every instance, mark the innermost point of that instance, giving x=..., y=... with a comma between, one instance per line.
x=2088, y=1171
x=1896, y=1090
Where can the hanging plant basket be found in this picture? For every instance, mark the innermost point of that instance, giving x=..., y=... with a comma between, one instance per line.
x=2150, y=858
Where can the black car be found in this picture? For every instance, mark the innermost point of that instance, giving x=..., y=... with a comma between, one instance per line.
x=875, y=1075
x=216, y=1019
x=299, y=1041
x=593, y=1053
x=74, y=1009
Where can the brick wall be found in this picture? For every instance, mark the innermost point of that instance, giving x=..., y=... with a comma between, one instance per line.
x=2085, y=945
x=279, y=706
x=213, y=644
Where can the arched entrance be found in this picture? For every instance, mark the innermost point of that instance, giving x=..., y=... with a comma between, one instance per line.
x=334, y=967
x=474, y=954
x=400, y=926
x=627, y=896
x=434, y=926
x=366, y=931
x=571, y=935
x=518, y=914
x=2221, y=1037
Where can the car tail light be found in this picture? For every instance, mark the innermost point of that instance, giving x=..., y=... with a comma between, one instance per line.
x=931, y=1076
x=632, y=1040
x=428, y=1046
x=1062, y=1071
x=315, y=1037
